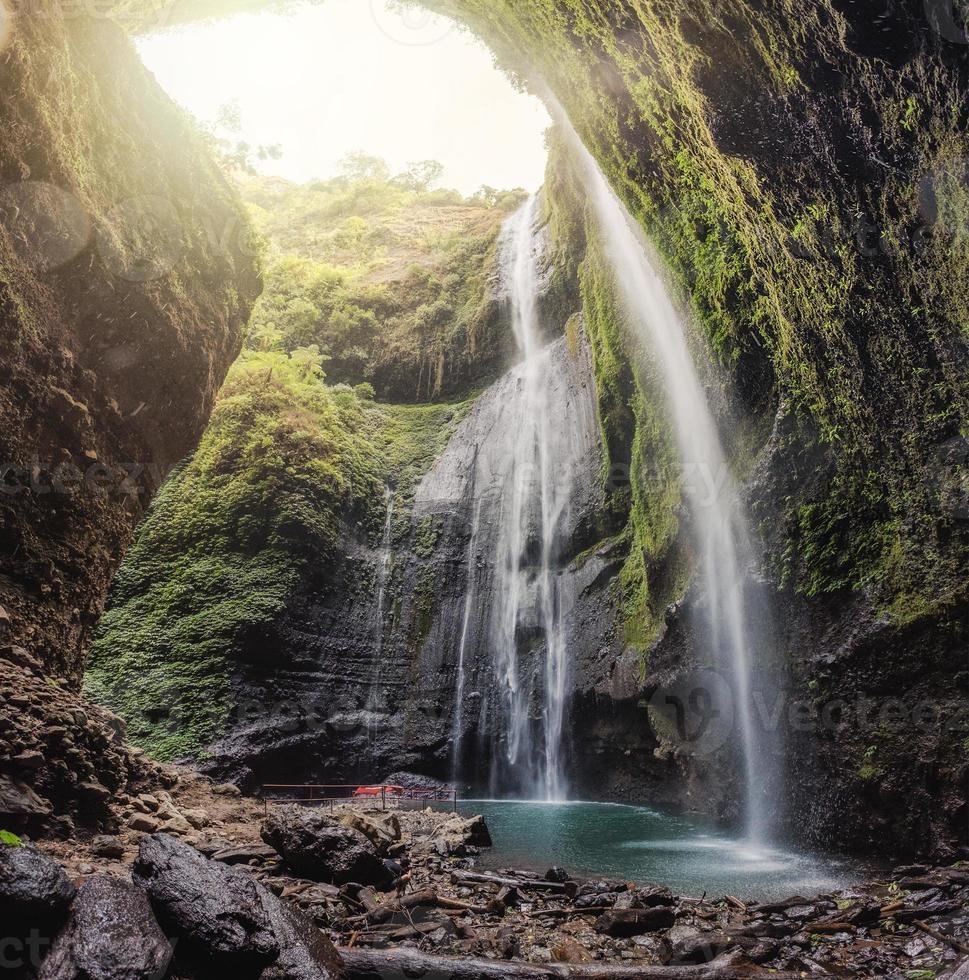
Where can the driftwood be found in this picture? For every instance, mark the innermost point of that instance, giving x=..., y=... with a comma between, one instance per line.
x=369, y=964
x=475, y=878
x=427, y=896
x=941, y=937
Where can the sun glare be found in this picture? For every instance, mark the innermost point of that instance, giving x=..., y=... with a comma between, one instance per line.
x=6, y=25
x=321, y=81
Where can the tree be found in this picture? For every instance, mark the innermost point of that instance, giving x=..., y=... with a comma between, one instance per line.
x=359, y=166
x=420, y=176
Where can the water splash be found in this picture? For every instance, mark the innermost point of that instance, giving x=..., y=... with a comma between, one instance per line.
x=721, y=536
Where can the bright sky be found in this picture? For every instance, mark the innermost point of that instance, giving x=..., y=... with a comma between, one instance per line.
x=324, y=79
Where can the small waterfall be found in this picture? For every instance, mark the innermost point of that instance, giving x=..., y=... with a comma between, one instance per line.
x=722, y=539
x=469, y=600
x=375, y=701
x=383, y=570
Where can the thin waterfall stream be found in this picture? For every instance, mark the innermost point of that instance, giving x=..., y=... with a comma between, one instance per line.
x=375, y=701
x=721, y=536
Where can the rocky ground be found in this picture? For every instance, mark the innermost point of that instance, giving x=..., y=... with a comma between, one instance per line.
x=406, y=880
x=380, y=884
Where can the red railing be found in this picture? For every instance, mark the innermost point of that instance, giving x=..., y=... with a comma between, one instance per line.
x=384, y=795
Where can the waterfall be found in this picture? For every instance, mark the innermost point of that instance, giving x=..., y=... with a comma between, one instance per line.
x=534, y=497
x=518, y=484
x=721, y=537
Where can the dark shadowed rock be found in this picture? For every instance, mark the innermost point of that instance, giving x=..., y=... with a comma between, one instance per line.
x=316, y=846
x=645, y=898
x=217, y=909
x=111, y=934
x=304, y=952
x=634, y=922
x=476, y=832
x=34, y=890
x=557, y=874
x=19, y=804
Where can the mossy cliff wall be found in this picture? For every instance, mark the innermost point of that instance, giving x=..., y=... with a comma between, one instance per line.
x=126, y=278
x=802, y=168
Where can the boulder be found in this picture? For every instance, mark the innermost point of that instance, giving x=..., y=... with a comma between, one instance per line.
x=108, y=847
x=382, y=834
x=143, y=823
x=216, y=909
x=476, y=832
x=634, y=922
x=111, y=934
x=644, y=898
x=34, y=890
x=317, y=846
x=304, y=952
x=684, y=944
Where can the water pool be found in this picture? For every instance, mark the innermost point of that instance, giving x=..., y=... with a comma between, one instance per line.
x=653, y=847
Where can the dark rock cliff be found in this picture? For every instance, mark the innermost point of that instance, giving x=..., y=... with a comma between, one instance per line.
x=126, y=278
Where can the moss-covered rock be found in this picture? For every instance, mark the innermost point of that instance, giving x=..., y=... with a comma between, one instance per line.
x=126, y=278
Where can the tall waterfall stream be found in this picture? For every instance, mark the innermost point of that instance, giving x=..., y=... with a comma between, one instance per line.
x=721, y=537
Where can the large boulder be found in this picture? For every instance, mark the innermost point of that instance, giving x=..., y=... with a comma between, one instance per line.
x=319, y=847
x=34, y=890
x=215, y=909
x=111, y=934
x=304, y=952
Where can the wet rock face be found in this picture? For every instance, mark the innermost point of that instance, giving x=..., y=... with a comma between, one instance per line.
x=304, y=952
x=125, y=281
x=216, y=909
x=362, y=696
x=319, y=847
x=111, y=934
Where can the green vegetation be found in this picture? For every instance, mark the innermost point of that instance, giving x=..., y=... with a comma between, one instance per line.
x=285, y=465
x=372, y=279
x=11, y=839
x=387, y=276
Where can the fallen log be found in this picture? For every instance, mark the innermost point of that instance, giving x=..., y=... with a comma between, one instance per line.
x=482, y=878
x=426, y=896
x=378, y=964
